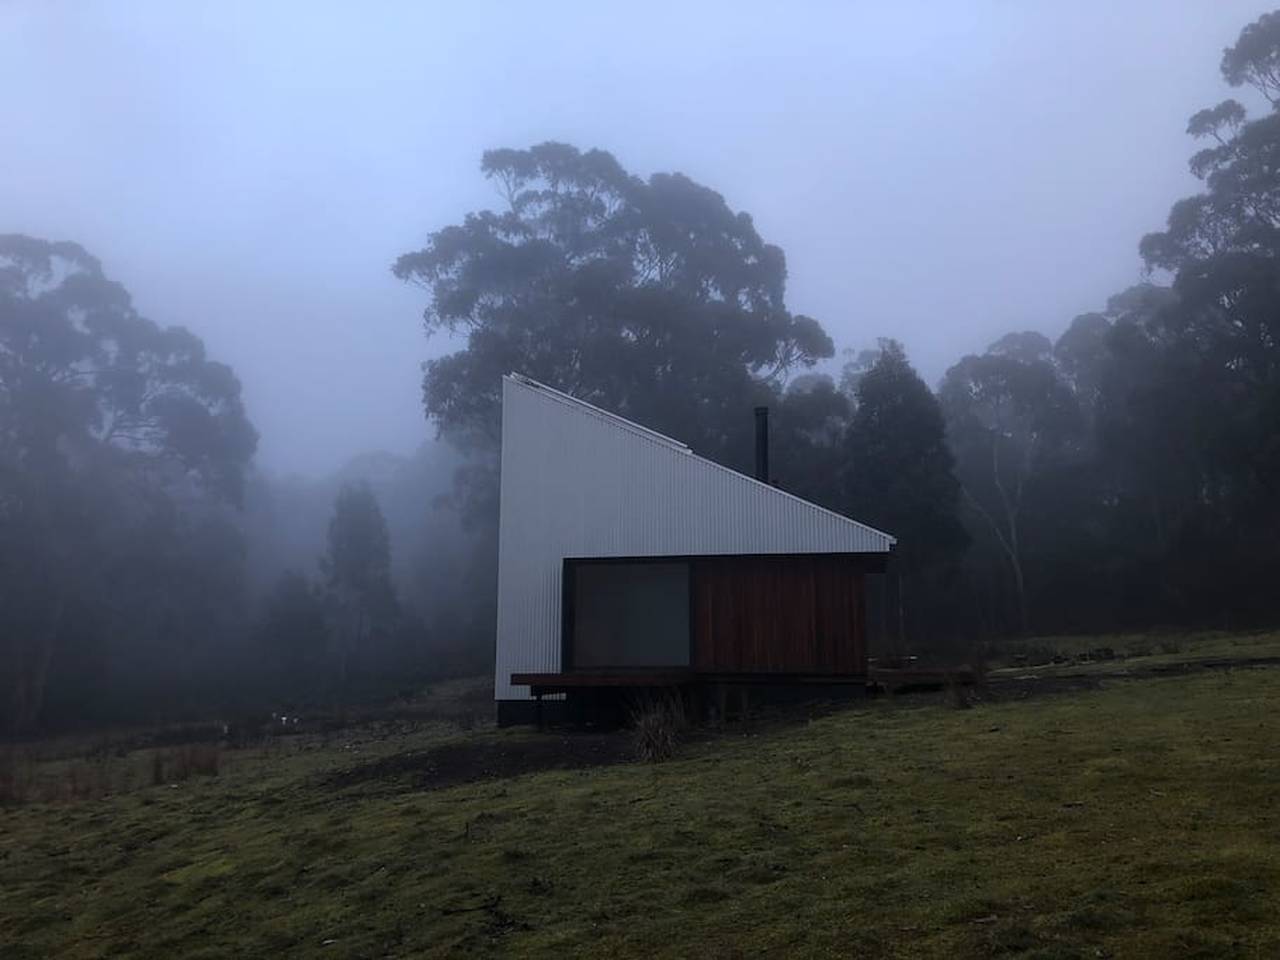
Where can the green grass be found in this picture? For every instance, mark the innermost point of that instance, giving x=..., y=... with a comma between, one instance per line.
x=1138, y=820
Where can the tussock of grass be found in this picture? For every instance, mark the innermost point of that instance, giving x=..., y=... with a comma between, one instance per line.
x=1133, y=821
x=656, y=728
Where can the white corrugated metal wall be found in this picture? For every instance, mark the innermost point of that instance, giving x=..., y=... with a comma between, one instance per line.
x=579, y=482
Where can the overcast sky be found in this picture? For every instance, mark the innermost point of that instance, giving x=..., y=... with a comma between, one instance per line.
x=938, y=172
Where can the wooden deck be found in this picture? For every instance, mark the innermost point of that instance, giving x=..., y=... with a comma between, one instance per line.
x=578, y=679
x=907, y=678
x=896, y=678
x=541, y=684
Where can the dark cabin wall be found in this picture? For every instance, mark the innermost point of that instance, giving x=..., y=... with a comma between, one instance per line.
x=792, y=615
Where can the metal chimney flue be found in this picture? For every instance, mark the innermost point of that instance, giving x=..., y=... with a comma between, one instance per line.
x=762, y=444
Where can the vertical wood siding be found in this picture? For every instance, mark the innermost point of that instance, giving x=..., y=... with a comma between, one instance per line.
x=796, y=615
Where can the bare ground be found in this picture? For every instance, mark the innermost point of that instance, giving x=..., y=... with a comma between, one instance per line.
x=469, y=761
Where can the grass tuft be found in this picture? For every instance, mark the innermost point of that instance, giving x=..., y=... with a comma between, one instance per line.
x=17, y=774
x=657, y=725
x=182, y=763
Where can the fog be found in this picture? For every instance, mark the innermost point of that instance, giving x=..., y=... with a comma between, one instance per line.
x=1003, y=274
x=938, y=173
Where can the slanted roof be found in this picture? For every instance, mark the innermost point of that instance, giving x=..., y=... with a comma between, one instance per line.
x=627, y=490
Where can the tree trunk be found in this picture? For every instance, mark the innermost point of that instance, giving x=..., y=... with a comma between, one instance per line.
x=1020, y=585
x=32, y=659
x=1008, y=542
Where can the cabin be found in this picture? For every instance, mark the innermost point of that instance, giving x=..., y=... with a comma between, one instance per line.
x=628, y=563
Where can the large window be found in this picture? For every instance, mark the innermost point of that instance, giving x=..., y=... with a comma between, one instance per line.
x=628, y=614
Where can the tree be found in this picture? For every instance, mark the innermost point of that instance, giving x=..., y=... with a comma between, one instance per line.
x=652, y=298
x=357, y=570
x=1211, y=357
x=808, y=423
x=1081, y=355
x=899, y=473
x=107, y=422
x=1255, y=58
x=855, y=368
x=1011, y=421
x=81, y=367
x=1223, y=245
x=294, y=632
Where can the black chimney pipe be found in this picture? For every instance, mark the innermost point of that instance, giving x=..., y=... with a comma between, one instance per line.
x=762, y=444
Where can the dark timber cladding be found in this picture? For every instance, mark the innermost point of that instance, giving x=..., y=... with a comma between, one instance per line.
x=779, y=615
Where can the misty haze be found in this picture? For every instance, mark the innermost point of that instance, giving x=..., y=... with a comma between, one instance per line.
x=708, y=479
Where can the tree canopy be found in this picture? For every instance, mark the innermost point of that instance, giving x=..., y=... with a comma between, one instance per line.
x=650, y=297
x=899, y=469
x=357, y=571
x=115, y=433
x=80, y=368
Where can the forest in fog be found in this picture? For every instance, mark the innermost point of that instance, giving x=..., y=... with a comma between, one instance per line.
x=1117, y=472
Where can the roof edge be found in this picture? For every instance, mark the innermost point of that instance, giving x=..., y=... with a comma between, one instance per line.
x=631, y=426
x=570, y=400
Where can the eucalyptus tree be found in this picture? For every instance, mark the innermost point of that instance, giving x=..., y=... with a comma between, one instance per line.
x=121, y=442
x=652, y=298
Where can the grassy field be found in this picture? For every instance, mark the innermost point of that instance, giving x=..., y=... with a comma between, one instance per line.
x=1140, y=819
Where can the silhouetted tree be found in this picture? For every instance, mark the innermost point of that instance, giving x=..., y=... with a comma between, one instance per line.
x=357, y=570
x=1210, y=356
x=897, y=474
x=294, y=634
x=1011, y=422
x=1129, y=475
x=899, y=470
x=652, y=298
x=112, y=430
x=808, y=424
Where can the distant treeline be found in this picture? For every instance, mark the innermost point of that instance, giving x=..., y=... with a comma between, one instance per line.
x=1120, y=476
x=147, y=573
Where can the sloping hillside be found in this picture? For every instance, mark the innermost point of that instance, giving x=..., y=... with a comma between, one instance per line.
x=1140, y=819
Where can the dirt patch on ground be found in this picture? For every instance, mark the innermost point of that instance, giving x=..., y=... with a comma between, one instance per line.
x=1031, y=683
x=468, y=761
x=1003, y=689
x=1192, y=666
